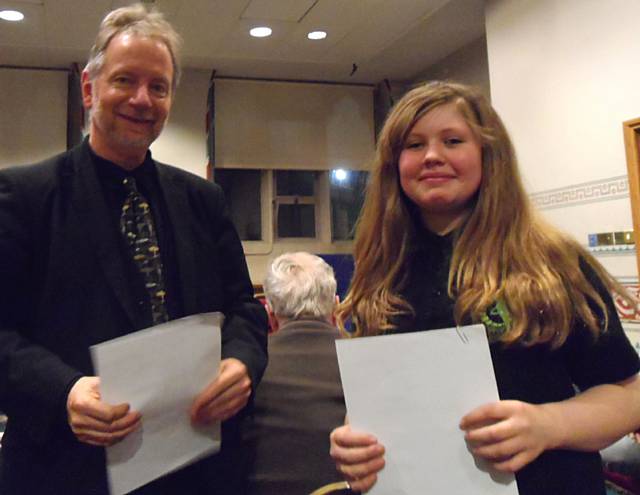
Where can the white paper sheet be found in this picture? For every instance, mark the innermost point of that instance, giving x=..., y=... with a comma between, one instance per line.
x=159, y=371
x=410, y=391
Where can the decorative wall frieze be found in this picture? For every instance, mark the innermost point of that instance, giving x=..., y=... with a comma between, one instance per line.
x=583, y=193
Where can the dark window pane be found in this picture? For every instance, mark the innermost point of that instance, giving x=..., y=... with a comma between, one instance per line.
x=242, y=192
x=296, y=220
x=347, y=188
x=294, y=183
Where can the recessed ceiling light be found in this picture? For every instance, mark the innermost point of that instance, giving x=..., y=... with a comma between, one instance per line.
x=317, y=35
x=260, y=32
x=11, y=15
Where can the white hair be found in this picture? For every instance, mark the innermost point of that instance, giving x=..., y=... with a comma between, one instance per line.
x=300, y=286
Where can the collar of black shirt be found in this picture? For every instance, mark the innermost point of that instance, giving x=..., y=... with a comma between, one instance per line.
x=111, y=175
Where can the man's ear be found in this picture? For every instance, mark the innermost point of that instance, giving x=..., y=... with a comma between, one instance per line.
x=274, y=324
x=86, y=87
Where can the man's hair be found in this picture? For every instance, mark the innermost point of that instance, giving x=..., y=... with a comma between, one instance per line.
x=300, y=286
x=137, y=20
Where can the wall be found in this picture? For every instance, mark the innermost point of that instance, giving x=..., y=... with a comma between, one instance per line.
x=564, y=77
x=33, y=115
x=183, y=141
x=468, y=65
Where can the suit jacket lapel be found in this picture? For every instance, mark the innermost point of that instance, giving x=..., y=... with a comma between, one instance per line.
x=91, y=208
x=175, y=194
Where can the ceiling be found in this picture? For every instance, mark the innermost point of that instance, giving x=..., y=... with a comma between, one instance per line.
x=386, y=39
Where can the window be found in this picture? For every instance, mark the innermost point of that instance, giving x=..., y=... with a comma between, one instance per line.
x=295, y=203
x=268, y=205
x=347, y=189
x=242, y=194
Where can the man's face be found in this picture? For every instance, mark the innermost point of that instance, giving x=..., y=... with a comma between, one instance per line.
x=129, y=99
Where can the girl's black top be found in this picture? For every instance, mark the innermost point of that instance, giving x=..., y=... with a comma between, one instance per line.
x=531, y=374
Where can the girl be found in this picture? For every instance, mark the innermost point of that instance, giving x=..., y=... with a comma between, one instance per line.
x=447, y=236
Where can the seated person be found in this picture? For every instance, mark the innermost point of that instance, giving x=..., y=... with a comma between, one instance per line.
x=300, y=398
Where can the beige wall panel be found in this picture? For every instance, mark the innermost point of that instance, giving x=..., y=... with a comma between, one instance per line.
x=33, y=115
x=262, y=124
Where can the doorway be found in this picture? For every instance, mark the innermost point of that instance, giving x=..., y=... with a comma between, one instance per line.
x=631, y=129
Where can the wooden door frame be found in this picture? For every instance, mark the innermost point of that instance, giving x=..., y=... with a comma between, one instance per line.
x=631, y=129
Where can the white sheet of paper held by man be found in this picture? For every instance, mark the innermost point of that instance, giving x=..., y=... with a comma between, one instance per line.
x=159, y=371
x=410, y=391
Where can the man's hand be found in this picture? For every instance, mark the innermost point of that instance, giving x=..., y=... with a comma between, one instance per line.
x=93, y=421
x=225, y=395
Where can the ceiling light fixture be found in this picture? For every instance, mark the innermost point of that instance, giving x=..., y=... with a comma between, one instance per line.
x=11, y=15
x=260, y=32
x=317, y=35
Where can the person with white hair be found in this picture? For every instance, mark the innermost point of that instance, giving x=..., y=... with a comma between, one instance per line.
x=300, y=398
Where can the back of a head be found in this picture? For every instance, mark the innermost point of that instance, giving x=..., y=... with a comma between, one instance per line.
x=300, y=286
x=134, y=19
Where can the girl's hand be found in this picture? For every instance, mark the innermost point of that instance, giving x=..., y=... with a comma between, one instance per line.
x=358, y=456
x=510, y=434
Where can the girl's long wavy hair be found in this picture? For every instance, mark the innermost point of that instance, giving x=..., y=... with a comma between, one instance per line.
x=504, y=251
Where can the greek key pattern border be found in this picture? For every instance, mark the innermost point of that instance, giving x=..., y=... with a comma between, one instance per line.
x=583, y=193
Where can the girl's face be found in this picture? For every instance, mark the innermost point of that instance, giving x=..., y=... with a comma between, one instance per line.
x=440, y=168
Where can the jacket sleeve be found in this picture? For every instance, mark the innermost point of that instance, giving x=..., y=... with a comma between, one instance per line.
x=244, y=333
x=34, y=381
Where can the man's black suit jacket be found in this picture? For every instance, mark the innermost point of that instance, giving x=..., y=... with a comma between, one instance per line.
x=63, y=288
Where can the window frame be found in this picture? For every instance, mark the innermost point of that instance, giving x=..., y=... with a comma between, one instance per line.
x=295, y=200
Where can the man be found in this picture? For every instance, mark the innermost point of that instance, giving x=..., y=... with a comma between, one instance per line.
x=102, y=241
x=300, y=398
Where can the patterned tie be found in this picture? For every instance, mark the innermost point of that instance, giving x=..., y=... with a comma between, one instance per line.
x=136, y=224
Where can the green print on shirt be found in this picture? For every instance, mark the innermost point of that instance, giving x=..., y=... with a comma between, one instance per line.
x=497, y=320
